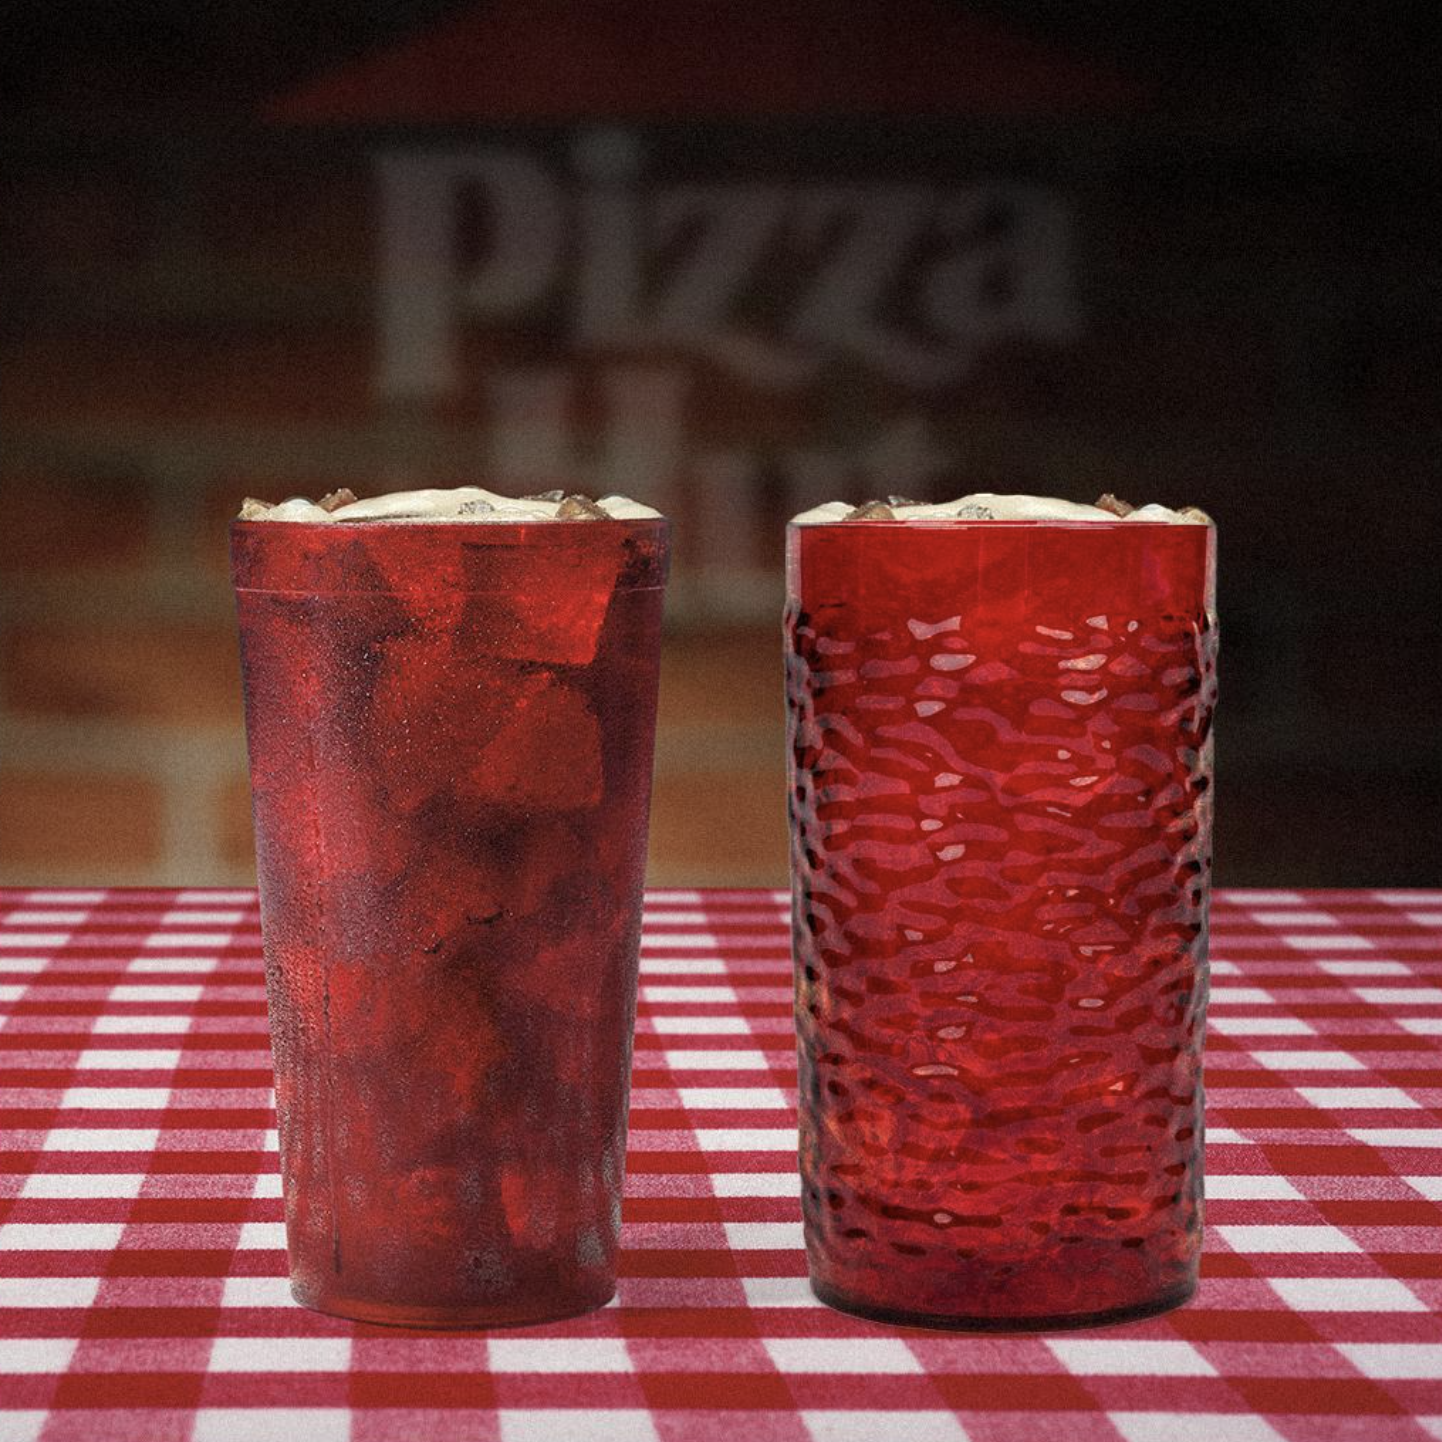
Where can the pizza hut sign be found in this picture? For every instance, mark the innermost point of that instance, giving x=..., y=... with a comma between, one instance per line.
x=912, y=282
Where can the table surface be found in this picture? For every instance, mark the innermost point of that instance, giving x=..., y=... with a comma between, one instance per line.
x=142, y=1270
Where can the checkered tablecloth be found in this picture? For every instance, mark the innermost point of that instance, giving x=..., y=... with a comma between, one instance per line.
x=142, y=1271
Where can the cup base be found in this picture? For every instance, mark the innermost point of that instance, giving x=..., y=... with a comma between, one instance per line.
x=450, y=1318
x=1066, y=1321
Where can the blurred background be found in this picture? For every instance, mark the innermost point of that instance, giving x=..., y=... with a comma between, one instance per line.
x=732, y=258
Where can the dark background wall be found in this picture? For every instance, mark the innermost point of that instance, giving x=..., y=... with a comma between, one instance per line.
x=1247, y=315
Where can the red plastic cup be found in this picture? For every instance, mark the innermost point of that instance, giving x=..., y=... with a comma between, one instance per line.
x=451, y=729
x=1001, y=819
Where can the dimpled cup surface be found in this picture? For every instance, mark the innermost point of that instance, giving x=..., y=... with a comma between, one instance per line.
x=1000, y=767
x=450, y=731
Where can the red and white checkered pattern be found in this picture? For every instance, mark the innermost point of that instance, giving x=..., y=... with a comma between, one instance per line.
x=142, y=1276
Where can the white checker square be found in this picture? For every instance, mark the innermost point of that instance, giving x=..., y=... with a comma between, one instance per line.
x=131, y=1025
x=1421, y=1025
x=1367, y=1098
x=197, y=939
x=746, y=1139
x=1430, y=1187
x=12, y=991
x=1426, y=1138
x=154, y=991
x=60, y=1236
x=261, y=1237
x=1193, y=1427
x=700, y=1026
x=1261, y=1026
x=757, y=1184
x=257, y=1292
x=702, y=1060
x=779, y=1292
x=588, y=1424
x=33, y=940
x=1425, y=918
x=682, y=966
x=119, y=1059
x=763, y=1236
x=1308, y=1061
x=1352, y=967
x=280, y=1354
x=1291, y=1239
x=1263, y=898
x=272, y=1424
x=21, y=1426
x=47, y=1292
x=77, y=1185
x=559, y=1354
x=1327, y=941
x=1127, y=1357
x=900, y=1426
x=1241, y=996
x=1400, y=995
x=116, y=1099
x=32, y=1355
x=44, y=917
x=1395, y=1361
x=1346, y=1294
x=844, y=1356
x=1228, y=1136
x=170, y=965
x=195, y=917
x=652, y=992
x=268, y=1185
x=732, y=1098
x=1265, y=1187
x=1295, y=918
x=102, y=1139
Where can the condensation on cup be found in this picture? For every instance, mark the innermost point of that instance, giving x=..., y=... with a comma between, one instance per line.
x=450, y=707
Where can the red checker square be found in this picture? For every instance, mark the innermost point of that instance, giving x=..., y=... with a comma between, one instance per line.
x=1411, y=1264
x=1343, y=1396
x=1225, y=1264
x=1238, y=1324
x=174, y=1323
x=1162, y=1394
x=715, y=1391
x=275, y=1389
x=659, y=1263
x=456, y=1390
x=1005, y=1392
x=590, y=1389
x=859, y=1391
x=123, y=1390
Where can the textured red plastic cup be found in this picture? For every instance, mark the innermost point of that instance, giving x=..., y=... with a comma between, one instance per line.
x=1001, y=818
x=451, y=730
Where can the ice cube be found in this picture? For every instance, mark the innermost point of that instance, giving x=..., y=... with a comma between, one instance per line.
x=546, y=754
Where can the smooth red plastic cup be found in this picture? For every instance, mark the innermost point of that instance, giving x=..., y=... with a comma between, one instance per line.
x=451, y=729
x=1000, y=743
